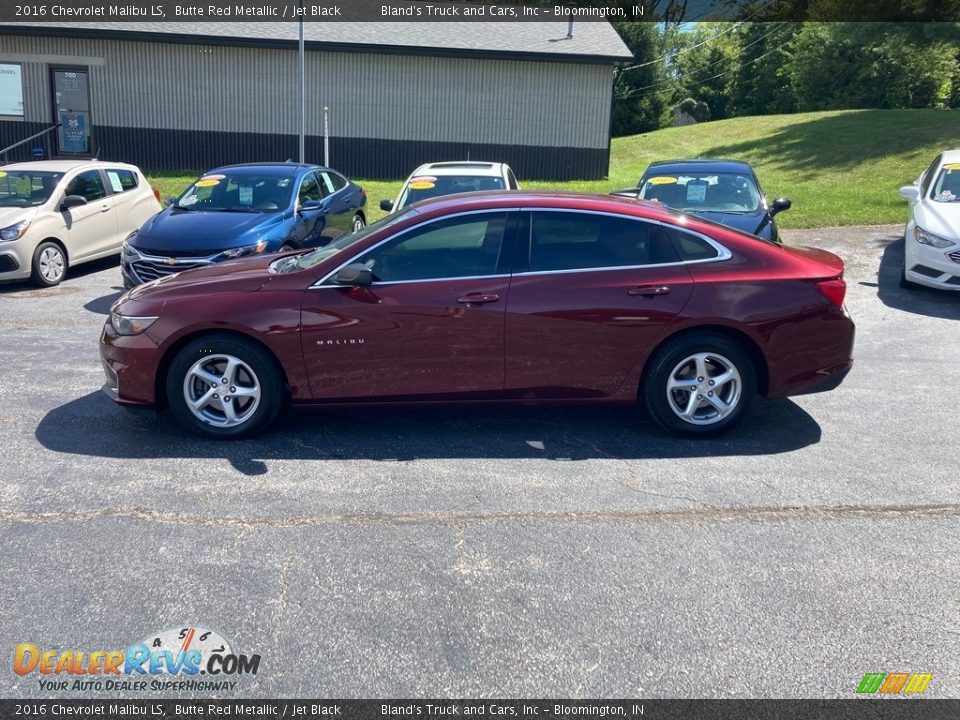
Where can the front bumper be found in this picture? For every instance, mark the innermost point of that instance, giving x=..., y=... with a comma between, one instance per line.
x=16, y=258
x=933, y=267
x=130, y=364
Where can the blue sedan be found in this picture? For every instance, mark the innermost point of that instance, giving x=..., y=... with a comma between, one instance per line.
x=725, y=191
x=240, y=210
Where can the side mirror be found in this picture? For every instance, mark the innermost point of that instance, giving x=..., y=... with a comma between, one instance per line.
x=910, y=192
x=72, y=201
x=779, y=205
x=354, y=274
x=311, y=205
x=386, y=205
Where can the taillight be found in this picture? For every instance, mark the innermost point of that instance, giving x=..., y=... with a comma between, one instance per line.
x=833, y=290
x=156, y=193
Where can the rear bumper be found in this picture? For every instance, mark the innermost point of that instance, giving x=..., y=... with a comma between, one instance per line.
x=829, y=380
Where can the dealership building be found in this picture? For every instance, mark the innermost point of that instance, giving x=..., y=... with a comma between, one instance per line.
x=193, y=95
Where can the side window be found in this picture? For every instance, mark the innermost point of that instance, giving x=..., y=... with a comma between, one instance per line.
x=121, y=180
x=330, y=182
x=582, y=241
x=692, y=247
x=929, y=175
x=88, y=184
x=465, y=246
x=309, y=189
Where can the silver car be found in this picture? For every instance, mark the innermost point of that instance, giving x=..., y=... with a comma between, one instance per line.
x=58, y=213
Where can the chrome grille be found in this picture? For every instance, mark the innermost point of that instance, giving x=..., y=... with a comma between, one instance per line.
x=955, y=256
x=151, y=270
x=178, y=253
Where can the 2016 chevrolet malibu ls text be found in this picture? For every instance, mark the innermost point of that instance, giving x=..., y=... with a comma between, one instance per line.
x=507, y=297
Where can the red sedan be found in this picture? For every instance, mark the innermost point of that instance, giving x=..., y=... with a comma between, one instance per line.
x=505, y=297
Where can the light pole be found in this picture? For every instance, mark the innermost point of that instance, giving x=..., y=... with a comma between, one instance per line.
x=303, y=94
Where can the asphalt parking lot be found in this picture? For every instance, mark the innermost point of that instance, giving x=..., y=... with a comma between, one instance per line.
x=498, y=553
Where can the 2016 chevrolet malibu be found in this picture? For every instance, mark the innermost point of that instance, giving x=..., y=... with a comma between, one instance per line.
x=506, y=297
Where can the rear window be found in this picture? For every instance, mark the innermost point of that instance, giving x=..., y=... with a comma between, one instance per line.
x=121, y=180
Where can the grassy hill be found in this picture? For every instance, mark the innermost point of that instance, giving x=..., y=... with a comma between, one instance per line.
x=838, y=167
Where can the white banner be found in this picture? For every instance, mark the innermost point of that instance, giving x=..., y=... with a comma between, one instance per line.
x=11, y=90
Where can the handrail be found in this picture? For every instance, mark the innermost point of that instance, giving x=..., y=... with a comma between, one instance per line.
x=26, y=140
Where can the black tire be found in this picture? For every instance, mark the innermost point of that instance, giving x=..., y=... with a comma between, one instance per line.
x=49, y=266
x=674, y=361
x=256, y=368
x=358, y=222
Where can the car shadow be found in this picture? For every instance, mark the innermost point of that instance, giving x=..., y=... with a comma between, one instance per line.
x=93, y=425
x=102, y=304
x=18, y=287
x=919, y=301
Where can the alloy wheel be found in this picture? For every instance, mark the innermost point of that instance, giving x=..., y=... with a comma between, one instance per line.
x=704, y=388
x=221, y=390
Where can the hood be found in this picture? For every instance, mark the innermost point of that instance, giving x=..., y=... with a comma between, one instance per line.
x=745, y=222
x=235, y=276
x=203, y=230
x=940, y=218
x=12, y=216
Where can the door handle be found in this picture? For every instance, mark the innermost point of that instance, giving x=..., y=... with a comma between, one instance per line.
x=104, y=208
x=478, y=298
x=649, y=290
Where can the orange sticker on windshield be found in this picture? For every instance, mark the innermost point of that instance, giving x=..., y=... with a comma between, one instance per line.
x=206, y=182
x=662, y=180
x=952, y=166
x=422, y=185
x=2, y=174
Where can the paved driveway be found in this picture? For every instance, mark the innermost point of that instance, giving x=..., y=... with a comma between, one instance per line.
x=518, y=552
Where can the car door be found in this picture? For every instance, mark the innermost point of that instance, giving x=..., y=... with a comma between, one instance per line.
x=92, y=228
x=309, y=223
x=430, y=326
x=341, y=204
x=132, y=201
x=592, y=293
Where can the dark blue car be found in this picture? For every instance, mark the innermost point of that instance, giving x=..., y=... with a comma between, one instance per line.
x=241, y=210
x=725, y=191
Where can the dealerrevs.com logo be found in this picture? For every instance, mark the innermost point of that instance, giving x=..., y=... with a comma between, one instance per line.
x=184, y=659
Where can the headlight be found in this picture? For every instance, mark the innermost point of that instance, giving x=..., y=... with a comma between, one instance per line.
x=128, y=249
x=126, y=325
x=14, y=232
x=925, y=238
x=245, y=250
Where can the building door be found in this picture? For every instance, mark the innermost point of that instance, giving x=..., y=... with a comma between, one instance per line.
x=71, y=110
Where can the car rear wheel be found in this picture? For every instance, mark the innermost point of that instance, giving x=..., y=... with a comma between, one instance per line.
x=224, y=387
x=699, y=385
x=49, y=264
x=358, y=223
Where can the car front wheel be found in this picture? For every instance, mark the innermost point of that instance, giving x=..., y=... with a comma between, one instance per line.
x=699, y=385
x=224, y=387
x=49, y=264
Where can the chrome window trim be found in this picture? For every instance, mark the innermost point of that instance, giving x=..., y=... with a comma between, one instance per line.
x=723, y=253
x=322, y=282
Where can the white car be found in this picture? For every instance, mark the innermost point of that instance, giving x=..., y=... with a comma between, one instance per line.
x=448, y=178
x=932, y=237
x=58, y=213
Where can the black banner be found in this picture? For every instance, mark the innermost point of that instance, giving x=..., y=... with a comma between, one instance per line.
x=164, y=11
x=855, y=709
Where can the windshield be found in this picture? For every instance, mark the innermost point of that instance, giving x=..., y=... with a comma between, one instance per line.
x=428, y=186
x=947, y=186
x=312, y=259
x=27, y=188
x=239, y=191
x=703, y=192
